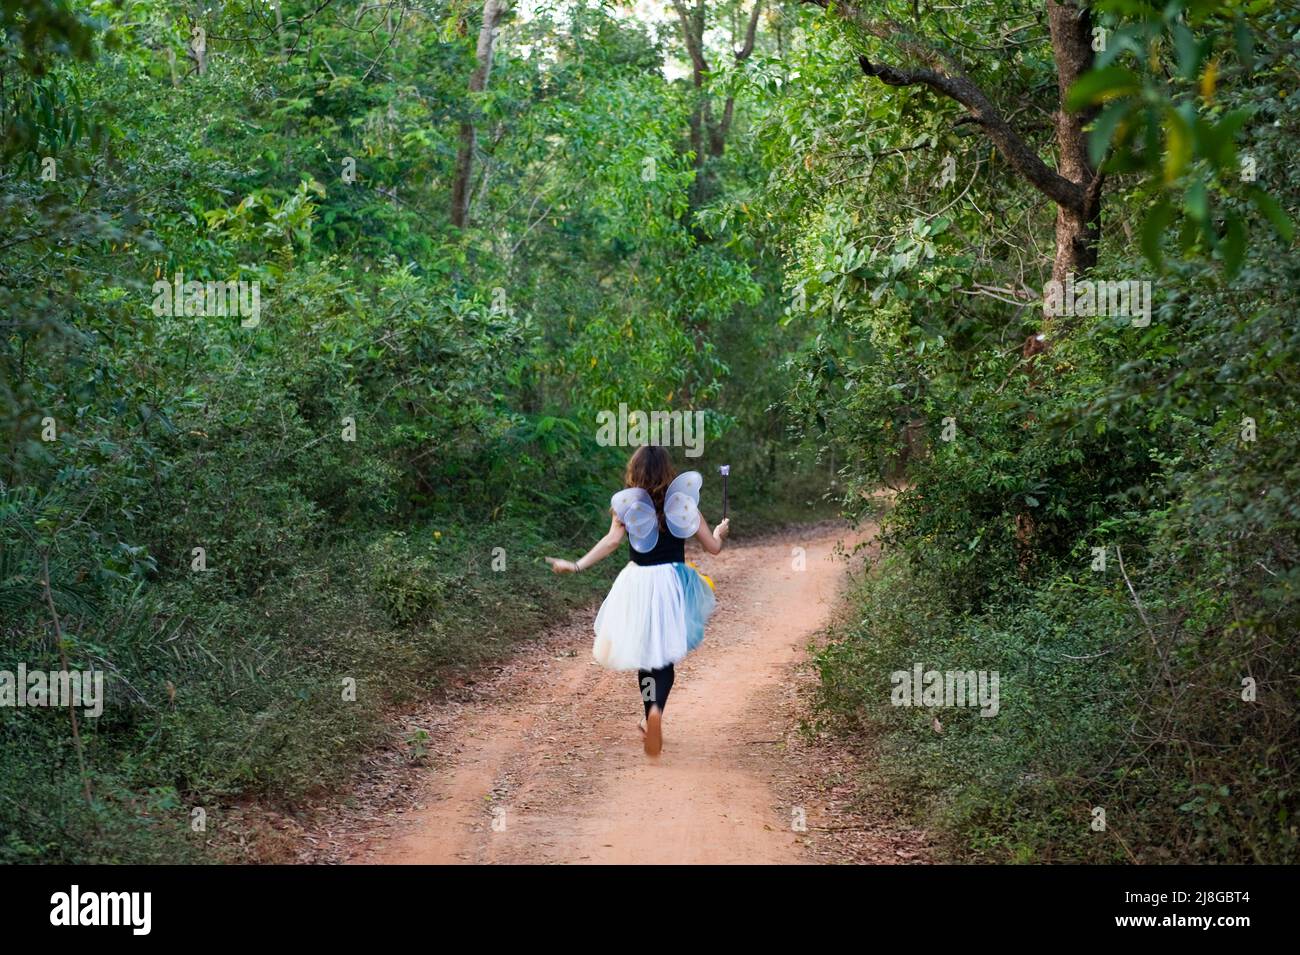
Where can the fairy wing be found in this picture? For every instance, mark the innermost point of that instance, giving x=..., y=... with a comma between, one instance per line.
x=635, y=508
x=682, y=504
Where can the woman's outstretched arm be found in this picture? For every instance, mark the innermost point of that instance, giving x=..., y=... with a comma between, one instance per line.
x=604, y=547
x=711, y=540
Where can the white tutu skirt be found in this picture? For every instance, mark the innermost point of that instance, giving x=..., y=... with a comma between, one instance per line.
x=652, y=617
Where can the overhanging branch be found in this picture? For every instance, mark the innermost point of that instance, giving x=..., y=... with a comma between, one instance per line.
x=943, y=75
x=989, y=118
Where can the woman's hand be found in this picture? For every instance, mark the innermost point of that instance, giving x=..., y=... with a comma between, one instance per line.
x=604, y=547
x=562, y=566
x=711, y=540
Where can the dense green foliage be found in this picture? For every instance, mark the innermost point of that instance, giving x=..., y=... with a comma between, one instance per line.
x=413, y=398
x=1173, y=447
x=414, y=395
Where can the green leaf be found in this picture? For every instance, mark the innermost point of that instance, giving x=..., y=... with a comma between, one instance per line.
x=1103, y=130
x=1189, y=51
x=1220, y=145
x=1178, y=145
x=1102, y=86
x=1197, y=202
x=1273, y=211
x=1245, y=43
x=1153, y=229
x=1233, y=245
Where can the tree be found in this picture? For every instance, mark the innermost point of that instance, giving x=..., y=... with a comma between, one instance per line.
x=493, y=11
x=1074, y=185
x=709, y=135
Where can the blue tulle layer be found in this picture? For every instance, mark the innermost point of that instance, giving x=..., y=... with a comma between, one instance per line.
x=699, y=603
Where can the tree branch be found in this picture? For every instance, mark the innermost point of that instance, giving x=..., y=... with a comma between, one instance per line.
x=1013, y=148
x=729, y=109
x=694, y=44
x=743, y=54
x=943, y=75
x=63, y=659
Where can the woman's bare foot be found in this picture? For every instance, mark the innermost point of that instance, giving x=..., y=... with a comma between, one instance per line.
x=654, y=740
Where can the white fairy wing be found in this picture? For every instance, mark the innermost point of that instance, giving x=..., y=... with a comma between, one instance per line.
x=635, y=508
x=682, y=504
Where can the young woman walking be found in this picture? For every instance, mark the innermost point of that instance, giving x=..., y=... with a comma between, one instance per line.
x=656, y=611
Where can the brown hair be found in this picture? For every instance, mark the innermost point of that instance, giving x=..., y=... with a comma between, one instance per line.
x=651, y=468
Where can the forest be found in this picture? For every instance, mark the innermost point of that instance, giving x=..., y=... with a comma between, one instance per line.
x=315, y=316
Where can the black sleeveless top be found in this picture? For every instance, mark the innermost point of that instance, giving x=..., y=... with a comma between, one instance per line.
x=667, y=550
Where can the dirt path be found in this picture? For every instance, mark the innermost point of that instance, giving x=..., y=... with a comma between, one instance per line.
x=543, y=764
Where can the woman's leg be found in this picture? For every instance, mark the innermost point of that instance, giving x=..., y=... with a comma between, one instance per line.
x=655, y=687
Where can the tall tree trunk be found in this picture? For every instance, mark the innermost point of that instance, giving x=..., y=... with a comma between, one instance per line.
x=708, y=136
x=1078, y=227
x=197, y=48
x=460, y=185
x=279, y=31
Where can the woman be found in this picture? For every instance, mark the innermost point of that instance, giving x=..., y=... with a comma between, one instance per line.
x=656, y=611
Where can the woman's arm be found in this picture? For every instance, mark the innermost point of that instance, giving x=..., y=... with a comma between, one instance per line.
x=604, y=547
x=711, y=540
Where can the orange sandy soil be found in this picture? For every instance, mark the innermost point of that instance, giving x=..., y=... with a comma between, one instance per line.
x=539, y=759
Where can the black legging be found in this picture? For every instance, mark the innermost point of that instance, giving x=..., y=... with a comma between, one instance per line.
x=656, y=690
